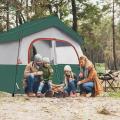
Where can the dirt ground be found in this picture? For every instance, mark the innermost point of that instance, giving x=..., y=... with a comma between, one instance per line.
x=21, y=107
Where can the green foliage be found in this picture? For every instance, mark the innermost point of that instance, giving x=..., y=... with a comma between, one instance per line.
x=114, y=94
x=90, y=14
x=105, y=8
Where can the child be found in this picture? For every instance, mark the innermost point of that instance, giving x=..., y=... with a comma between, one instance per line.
x=69, y=80
x=46, y=84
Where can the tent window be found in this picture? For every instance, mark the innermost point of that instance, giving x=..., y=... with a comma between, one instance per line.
x=58, y=52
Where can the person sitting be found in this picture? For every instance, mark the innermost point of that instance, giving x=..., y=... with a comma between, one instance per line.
x=69, y=81
x=88, y=80
x=46, y=84
x=32, y=75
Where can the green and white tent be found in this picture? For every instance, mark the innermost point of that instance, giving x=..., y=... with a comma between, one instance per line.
x=49, y=37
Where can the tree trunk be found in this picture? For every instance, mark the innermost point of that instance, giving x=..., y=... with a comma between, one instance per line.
x=114, y=52
x=16, y=19
x=27, y=16
x=50, y=8
x=7, y=21
x=74, y=15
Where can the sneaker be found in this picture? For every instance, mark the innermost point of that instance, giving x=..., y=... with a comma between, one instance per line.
x=73, y=94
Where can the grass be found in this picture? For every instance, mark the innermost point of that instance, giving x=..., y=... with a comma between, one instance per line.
x=114, y=94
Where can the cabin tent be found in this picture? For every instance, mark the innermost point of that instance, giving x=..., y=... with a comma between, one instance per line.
x=48, y=36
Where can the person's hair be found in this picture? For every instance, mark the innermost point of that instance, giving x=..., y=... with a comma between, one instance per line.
x=87, y=61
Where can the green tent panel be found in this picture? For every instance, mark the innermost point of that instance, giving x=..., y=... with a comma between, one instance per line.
x=8, y=72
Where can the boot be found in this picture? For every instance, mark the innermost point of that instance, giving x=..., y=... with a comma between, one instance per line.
x=89, y=95
x=40, y=95
x=30, y=94
x=65, y=94
x=83, y=95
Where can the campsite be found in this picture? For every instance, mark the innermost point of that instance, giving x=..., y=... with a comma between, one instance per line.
x=60, y=59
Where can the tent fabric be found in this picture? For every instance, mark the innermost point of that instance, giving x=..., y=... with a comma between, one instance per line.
x=35, y=26
x=7, y=75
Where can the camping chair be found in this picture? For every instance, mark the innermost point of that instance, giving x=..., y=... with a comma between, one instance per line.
x=106, y=77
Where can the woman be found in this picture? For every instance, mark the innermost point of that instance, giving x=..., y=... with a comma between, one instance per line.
x=88, y=81
x=69, y=81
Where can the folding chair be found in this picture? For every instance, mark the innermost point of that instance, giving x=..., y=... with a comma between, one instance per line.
x=106, y=77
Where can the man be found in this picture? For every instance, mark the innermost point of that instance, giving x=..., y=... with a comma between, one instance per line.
x=33, y=75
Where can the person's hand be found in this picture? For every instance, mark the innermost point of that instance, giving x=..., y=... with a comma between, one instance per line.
x=70, y=78
x=39, y=73
x=81, y=75
x=79, y=82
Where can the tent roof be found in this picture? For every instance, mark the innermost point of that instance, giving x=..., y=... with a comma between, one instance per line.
x=31, y=27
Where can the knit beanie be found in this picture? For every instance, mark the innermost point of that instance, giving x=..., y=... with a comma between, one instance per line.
x=67, y=68
x=46, y=59
x=37, y=58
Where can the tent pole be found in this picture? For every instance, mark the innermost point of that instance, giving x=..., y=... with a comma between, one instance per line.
x=16, y=69
x=54, y=51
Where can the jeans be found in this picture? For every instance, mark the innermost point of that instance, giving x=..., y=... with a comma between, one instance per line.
x=71, y=87
x=44, y=86
x=87, y=87
x=32, y=83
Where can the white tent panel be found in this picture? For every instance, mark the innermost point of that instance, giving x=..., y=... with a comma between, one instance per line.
x=43, y=48
x=66, y=55
x=8, y=52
